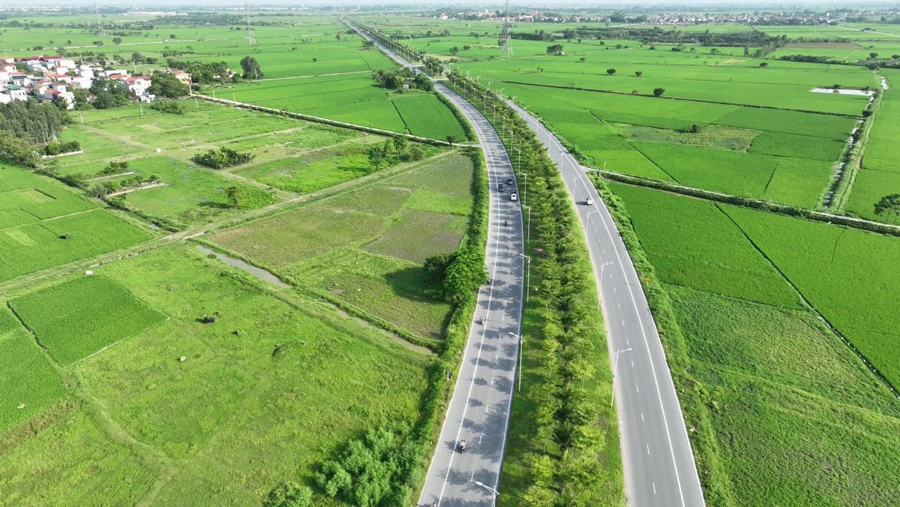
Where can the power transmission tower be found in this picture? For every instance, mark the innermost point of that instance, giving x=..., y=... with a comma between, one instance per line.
x=100, y=31
x=506, y=27
x=251, y=39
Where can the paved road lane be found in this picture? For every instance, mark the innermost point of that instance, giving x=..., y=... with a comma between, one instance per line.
x=659, y=467
x=478, y=411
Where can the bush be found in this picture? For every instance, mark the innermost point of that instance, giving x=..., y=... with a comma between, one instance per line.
x=167, y=106
x=288, y=494
x=223, y=157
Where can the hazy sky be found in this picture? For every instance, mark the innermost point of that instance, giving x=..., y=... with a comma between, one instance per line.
x=156, y=4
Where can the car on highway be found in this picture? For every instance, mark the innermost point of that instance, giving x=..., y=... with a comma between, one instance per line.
x=589, y=201
x=514, y=197
x=509, y=181
x=500, y=187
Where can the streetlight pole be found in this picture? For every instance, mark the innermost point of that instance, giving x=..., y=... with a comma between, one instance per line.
x=528, y=230
x=527, y=274
x=521, y=352
x=493, y=491
x=615, y=367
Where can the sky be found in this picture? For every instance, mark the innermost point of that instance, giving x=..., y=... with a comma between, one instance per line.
x=159, y=4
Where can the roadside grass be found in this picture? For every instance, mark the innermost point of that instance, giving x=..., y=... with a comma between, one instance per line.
x=367, y=246
x=32, y=247
x=77, y=318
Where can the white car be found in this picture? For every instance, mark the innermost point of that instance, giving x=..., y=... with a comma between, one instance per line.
x=513, y=197
x=589, y=201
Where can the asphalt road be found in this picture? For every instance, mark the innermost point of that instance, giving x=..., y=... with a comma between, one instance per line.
x=479, y=408
x=659, y=467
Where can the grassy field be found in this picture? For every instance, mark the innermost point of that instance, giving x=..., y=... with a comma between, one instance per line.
x=79, y=318
x=289, y=155
x=366, y=246
x=30, y=384
x=768, y=369
x=43, y=224
x=355, y=98
x=296, y=382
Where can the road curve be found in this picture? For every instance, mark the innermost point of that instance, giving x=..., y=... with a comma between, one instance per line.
x=480, y=405
x=659, y=467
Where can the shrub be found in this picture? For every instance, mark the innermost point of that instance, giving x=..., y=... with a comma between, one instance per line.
x=288, y=494
x=223, y=157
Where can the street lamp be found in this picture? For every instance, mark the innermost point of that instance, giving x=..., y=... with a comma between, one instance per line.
x=493, y=491
x=521, y=351
x=528, y=230
x=527, y=274
x=615, y=366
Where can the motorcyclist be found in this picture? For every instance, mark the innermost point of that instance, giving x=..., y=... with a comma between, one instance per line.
x=462, y=446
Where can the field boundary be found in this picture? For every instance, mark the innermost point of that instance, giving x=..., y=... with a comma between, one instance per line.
x=646, y=95
x=875, y=372
x=781, y=209
x=327, y=121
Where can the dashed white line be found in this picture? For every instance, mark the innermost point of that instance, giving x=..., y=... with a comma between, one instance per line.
x=642, y=417
x=636, y=388
x=648, y=449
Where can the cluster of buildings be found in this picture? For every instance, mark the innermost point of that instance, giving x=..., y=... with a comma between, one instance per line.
x=49, y=78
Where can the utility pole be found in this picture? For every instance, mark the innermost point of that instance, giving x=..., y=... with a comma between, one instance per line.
x=506, y=38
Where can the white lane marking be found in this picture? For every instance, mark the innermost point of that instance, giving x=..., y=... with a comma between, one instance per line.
x=614, y=290
x=473, y=476
x=632, y=364
x=636, y=388
x=618, y=305
x=642, y=417
x=648, y=449
x=479, y=439
x=491, y=175
x=654, y=488
x=623, y=322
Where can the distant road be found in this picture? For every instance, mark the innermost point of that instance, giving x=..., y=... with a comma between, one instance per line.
x=479, y=409
x=658, y=463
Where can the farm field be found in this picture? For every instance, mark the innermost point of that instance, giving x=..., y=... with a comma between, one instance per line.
x=879, y=175
x=289, y=155
x=206, y=420
x=366, y=246
x=79, y=318
x=355, y=98
x=768, y=368
x=737, y=123
x=44, y=224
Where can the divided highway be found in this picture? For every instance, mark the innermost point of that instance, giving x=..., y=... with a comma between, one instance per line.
x=659, y=467
x=479, y=408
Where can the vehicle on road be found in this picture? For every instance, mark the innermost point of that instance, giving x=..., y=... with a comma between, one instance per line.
x=514, y=197
x=509, y=181
x=462, y=446
x=589, y=201
x=500, y=187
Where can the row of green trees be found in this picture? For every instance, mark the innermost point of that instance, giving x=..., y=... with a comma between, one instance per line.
x=565, y=455
x=25, y=124
x=393, y=150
